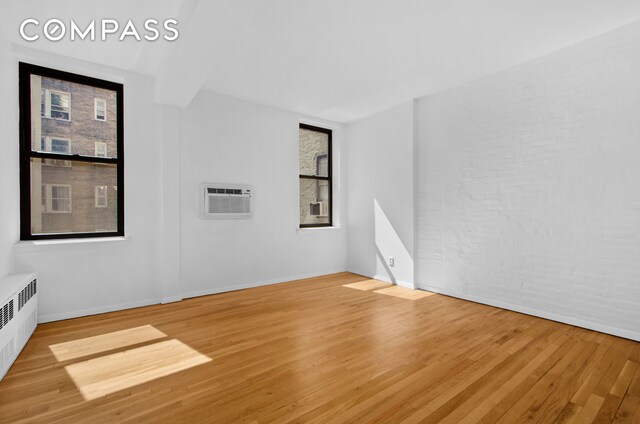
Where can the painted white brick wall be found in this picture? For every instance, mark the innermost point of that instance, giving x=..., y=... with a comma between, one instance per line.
x=528, y=187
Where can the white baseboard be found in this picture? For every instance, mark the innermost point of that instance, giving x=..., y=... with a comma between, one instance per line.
x=95, y=311
x=382, y=278
x=171, y=299
x=223, y=289
x=360, y=272
x=398, y=282
x=603, y=328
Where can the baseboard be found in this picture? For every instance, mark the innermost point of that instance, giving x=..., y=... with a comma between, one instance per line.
x=627, y=334
x=359, y=272
x=382, y=278
x=95, y=311
x=397, y=282
x=235, y=287
x=170, y=299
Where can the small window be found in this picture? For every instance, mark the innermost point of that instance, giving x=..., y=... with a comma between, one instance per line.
x=315, y=176
x=56, y=198
x=57, y=105
x=100, y=109
x=101, y=196
x=57, y=145
x=101, y=149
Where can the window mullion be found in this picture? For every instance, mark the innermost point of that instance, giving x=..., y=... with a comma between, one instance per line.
x=76, y=158
x=315, y=177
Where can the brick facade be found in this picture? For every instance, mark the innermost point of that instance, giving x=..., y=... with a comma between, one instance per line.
x=527, y=186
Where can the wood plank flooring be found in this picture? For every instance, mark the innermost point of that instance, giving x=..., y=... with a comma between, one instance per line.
x=314, y=351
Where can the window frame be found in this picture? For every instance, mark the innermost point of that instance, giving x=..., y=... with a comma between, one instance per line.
x=328, y=178
x=48, y=140
x=95, y=109
x=48, y=197
x=27, y=153
x=95, y=149
x=105, y=197
x=47, y=104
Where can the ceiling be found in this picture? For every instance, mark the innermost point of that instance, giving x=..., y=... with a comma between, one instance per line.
x=336, y=59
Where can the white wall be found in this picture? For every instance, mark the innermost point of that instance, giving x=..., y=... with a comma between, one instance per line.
x=9, y=175
x=82, y=278
x=227, y=140
x=171, y=253
x=380, y=186
x=528, y=186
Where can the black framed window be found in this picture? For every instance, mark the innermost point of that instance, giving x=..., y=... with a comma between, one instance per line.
x=314, y=156
x=71, y=155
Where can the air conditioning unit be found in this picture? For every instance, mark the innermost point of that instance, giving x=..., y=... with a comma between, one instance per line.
x=18, y=316
x=319, y=209
x=226, y=200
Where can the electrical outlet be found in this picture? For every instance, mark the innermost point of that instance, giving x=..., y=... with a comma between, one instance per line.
x=392, y=262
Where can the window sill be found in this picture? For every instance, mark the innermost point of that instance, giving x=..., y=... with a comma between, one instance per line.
x=66, y=242
x=311, y=230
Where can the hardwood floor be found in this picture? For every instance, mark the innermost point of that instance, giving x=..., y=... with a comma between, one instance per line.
x=313, y=351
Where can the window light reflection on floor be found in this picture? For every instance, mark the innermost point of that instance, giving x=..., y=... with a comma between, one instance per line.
x=92, y=345
x=121, y=370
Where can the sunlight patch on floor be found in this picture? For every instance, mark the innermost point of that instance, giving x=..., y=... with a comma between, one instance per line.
x=105, y=342
x=368, y=285
x=388, y=289
x=404, y=293
x=108, y=374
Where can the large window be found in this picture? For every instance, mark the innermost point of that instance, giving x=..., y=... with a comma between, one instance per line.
x=71, y=155
x=315, y=176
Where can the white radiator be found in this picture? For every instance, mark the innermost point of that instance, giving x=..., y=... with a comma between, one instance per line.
x=18, y=316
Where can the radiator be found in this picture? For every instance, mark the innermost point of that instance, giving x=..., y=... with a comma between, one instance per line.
x=18, y=316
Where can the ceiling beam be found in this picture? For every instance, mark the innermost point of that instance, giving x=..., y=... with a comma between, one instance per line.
x=186, y=66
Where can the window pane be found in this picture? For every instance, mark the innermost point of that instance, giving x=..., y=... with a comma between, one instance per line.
x=322, y=165
x=101, y=150
x=101, y=108
x=60, y=205
x=314, y=201
x=101, y=196
x=63, y=199
x=66, y=110
x=314, y=146
x=60, y=146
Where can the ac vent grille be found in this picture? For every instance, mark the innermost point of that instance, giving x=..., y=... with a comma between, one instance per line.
x=6, y=357
x=212, y=190
x=27, y=328
x=229, y=204
x=6, y=313
x=226, y=201
x=27, y=293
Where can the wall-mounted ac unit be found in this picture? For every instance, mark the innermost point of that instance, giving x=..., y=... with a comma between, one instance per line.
x=226, y=200
x=319, y=209
x=18, y=316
